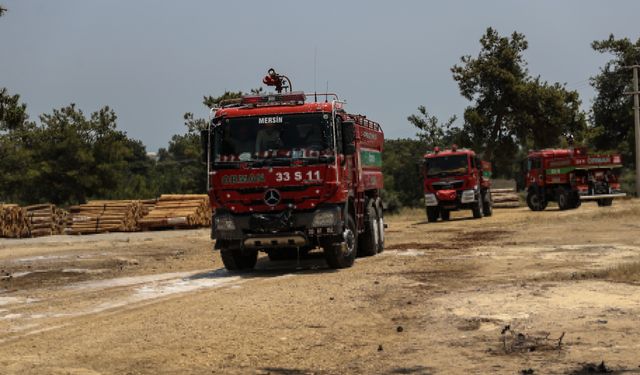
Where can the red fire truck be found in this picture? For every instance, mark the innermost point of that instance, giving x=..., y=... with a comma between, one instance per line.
x=456, y=179
x=289, y=175
x=570, y=176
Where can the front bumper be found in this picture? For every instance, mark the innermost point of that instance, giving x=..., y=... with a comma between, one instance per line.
x=277, y=230
x=463, y=199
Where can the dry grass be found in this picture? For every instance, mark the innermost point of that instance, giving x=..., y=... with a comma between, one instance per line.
x=621, y=273
x=624, y=273
x=409, y=213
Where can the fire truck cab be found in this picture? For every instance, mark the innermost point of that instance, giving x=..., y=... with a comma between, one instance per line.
x=456, y=179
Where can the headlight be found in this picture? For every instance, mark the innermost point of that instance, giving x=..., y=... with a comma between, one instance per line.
x=225, y=223
x=468, y=196
x=324, y=219
x=430, y=200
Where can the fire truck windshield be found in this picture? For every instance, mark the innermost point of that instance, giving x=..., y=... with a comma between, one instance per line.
x=274, y=137
x=446, y=165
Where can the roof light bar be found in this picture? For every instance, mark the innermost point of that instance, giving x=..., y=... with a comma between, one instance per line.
x=297, y=97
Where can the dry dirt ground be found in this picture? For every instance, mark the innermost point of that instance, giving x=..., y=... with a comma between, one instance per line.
x=517, y=293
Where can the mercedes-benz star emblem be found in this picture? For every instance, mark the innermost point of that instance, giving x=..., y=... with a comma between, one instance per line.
x=272, y=197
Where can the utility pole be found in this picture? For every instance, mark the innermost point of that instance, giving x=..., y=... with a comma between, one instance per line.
x=636, y=117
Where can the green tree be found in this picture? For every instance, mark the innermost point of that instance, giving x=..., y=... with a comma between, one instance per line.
x=179, y=168
x=510, y=110
x=612, y=126
x=400, y=166
x=546, y=114
x=431, y=132
x=491, y=81
x=16, y=146
x=68, y=158
x=213, y=101
x=13, y=114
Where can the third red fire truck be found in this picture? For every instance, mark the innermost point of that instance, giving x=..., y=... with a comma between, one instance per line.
x=570, y=176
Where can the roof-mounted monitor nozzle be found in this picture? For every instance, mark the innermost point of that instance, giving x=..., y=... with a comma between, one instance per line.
x=278, y=80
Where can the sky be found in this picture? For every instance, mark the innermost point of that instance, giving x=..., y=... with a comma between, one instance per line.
x=153, y=60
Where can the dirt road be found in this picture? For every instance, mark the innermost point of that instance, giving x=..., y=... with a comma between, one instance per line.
x=520, y=292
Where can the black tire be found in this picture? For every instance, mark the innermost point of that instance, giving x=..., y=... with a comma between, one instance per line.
x=487, y=203
x=368, y=240
x=335, y=255
x=445, y=214
x=239, y=260
x=563, y=197
x=380, y=210
x=576, y=201
x=536, y=202
x=432, y=214
x=477, y=210
x=605, y=202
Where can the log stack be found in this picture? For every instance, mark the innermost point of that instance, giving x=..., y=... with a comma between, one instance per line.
x=60, y=219
x=179, y=211
x=14, y=222
x=148, y=205
x=105, y=216
x=42, y=219
x=505, y=198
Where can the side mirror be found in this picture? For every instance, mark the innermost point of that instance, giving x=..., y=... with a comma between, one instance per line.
x=205, y=144
x=348, y=137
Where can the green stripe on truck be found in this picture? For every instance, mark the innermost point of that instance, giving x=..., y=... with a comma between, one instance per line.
x=371, y=158
x=560, y=170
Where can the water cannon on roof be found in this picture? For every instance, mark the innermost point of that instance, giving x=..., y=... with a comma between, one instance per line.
x=277, y=80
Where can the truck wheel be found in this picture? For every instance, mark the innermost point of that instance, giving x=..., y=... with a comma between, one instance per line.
x=487, y=204
x=536, y=202
x=605, y=202
x=342, y=254
x=237, y=260
x=368, y=240
x=575, y=200
x=477, y=210
x=563, y=198
x=432, y=214
x=445, y=214
x=380, y=211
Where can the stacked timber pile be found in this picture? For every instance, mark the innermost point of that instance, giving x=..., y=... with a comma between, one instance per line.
x=179, y=211
x=42, y=220
x=148, y=205
x=13, y=221
x=505, y=198
x=105, y=216
x=60, y=218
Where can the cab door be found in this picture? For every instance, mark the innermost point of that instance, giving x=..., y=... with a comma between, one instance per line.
x=535, y=172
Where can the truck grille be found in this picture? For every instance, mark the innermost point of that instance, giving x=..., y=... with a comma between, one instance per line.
x=447, y=185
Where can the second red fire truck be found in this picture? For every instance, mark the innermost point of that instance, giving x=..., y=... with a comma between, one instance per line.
x=456, y=179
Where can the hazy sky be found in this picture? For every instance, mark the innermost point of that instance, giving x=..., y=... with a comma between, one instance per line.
x=154, y=60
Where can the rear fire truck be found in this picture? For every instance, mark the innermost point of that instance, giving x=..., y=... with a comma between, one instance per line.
x=456, y=179
x=288, y=175
x=570, y=176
